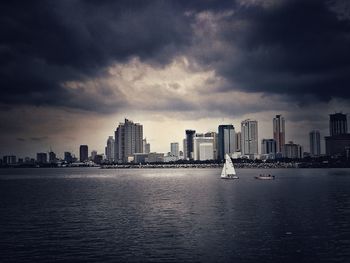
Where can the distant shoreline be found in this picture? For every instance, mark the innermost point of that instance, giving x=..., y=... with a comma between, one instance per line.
x=238, y=165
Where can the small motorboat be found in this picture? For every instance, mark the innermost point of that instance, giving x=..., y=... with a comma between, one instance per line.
x=265, y=177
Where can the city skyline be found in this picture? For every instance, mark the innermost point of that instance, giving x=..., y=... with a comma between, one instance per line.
x=133, y=134
x=67, y=78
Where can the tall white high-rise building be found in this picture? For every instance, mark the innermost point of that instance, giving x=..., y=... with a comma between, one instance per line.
x=197, y=142
x=214, y=135
x=185, y=148
x=146, y=147
x=109, y=150
x=315, y=143
x=279, y=132
x=128, y=140
x=249, y=135
x=206, y=151
x=174, y=149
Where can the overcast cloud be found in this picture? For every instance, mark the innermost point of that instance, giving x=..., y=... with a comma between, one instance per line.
x=67, y=65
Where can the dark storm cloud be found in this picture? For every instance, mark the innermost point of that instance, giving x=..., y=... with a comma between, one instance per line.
x=297, y=47
x=46, y=43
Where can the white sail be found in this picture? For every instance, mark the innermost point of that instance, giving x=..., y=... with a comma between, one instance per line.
x=223, y=172
x=228, y=171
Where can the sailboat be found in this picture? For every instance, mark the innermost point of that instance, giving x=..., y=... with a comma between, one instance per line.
x=228, y=171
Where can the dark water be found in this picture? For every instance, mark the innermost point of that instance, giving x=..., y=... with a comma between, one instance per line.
x=93, y=215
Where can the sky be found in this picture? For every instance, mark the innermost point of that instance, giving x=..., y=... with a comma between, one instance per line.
x=72, y=70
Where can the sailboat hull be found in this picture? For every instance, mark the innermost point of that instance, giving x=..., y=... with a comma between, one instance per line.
x=230, y=177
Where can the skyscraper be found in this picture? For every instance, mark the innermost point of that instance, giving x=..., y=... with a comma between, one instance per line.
x=128, y=140
x=146, y=147
x=279, y=133
x=215, y=143
x=338, y=124
x=338, y=143
x=249, y=135
x=68, y=157
x=238, y=142
x=268, y=146
x=292, y=151
x=184, y=148
x=52, y=157
x=174, y=149
x=41, y=158
x=110, y=149
x=84, y=153
x=315, y=143
x=189, y=143
x=198, y=149
x=226, y=140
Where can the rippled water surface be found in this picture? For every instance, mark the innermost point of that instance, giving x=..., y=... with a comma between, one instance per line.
x=179, y=215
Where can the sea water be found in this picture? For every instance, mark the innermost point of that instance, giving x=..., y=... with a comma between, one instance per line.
x=174, y=215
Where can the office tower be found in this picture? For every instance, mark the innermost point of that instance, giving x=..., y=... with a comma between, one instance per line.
x=268, y=146
x=315, y=143
x=128, y=140
x=109, y=150
x=206, y=151
x=84, y=153
x=68, y=157
x=41, y=158
x=93, y=155
x=279, y=133
x=226, y=140
x=338, y=143
x=238, y=142
x=146, y=147
x=189, y=143
x=292, y=151
x=184, y=149
x=52, y=157
x=197, y=142
x=9, y=159
x=249, y=135
x=174, y=149
x=214, y=135
x=338, y=124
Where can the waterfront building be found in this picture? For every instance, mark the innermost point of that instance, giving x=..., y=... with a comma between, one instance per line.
x=189, y=143
x=338, y=143
x=84, y=153
x=238, y=142
x=9, y=159
x=315, y=143
x=226, y=140
x=52, y=157
x=279, y=133
x=197, y=142
x=109, y=150
x=155, y=157
x=292, y=151
x=128, y=140
x=93, y=155
x=338, y=124
x=184, y=149
x=215, y=137
x=249, y=135
x=268, y=146
x=41, y=158
x=68, y=157
x=146, y=147
x=174, y=149
x=206, y=151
